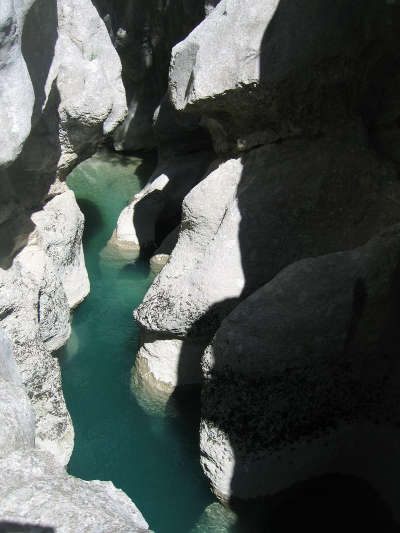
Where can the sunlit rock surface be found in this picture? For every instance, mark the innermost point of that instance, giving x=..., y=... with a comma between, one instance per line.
x=34, y=486
x=72, y=95
x=156, y=210
x=61, y=92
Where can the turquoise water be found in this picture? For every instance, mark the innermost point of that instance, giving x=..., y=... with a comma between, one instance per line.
x=151, y=453
x=153, y=457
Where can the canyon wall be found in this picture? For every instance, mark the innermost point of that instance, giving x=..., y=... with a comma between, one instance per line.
x=281, y=293
x=60, y=94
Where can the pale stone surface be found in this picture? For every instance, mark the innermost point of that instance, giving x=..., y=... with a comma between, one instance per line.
x=35, y=488
x=47, y=278
x=253, y=216
x=60, y=93
x=17, y=422
x=160, y=365
x=17, y=96
x=306, y=367
x=36, y=313
x=155, y=211
x=67, y=93
x=60, y=227
x=281, y=66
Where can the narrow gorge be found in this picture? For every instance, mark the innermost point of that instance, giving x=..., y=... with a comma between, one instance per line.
x=229, y=172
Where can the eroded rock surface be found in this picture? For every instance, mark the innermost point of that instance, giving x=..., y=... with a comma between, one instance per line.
x=61, y=92
x=316, y=368
x=47, y=278
x=34, y=486
x=143, y=33
x=287, y=250
x=68, y=76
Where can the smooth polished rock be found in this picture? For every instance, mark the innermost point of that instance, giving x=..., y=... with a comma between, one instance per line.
x=253, y=216
x=282, y=69
x=156, y=210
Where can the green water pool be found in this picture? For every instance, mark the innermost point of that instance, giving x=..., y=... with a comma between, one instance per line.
x=154, y=458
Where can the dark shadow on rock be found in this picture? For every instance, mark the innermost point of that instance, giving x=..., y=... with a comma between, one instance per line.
x=146, y=168
x=13, y=527
x=93, y=219
x=27, y=180
x=360, y=298
x=160, y=211
x=332, y=503
x=38, y=43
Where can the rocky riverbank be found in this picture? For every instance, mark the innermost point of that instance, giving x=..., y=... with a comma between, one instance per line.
x=280, y=293
x=61, y=93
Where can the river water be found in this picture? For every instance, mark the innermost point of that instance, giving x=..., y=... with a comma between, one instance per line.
x=153, y=456
x=150, y=452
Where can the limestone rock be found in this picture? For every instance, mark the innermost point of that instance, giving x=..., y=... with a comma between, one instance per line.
x=60, y=227
x=306, y=367
x=35, y=311
x=47, y=278
x=59, y=100
x=34, y=488
x=283, y=68
x=17, y=422
x=65, y=97
x=143, y=34
x=160, y=257
x=252, y=217
x=156, y=210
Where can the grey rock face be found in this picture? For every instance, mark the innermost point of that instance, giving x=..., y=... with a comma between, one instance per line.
x=156, y=210
x=17, y=422
x=60, y=94
x=143, y=33
x=301, y=378
x=72, y=96
x=47, y=278
x=64, y=99
x=282, y=195
x=35, y=488
x=315, y=371
x=283, y=69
